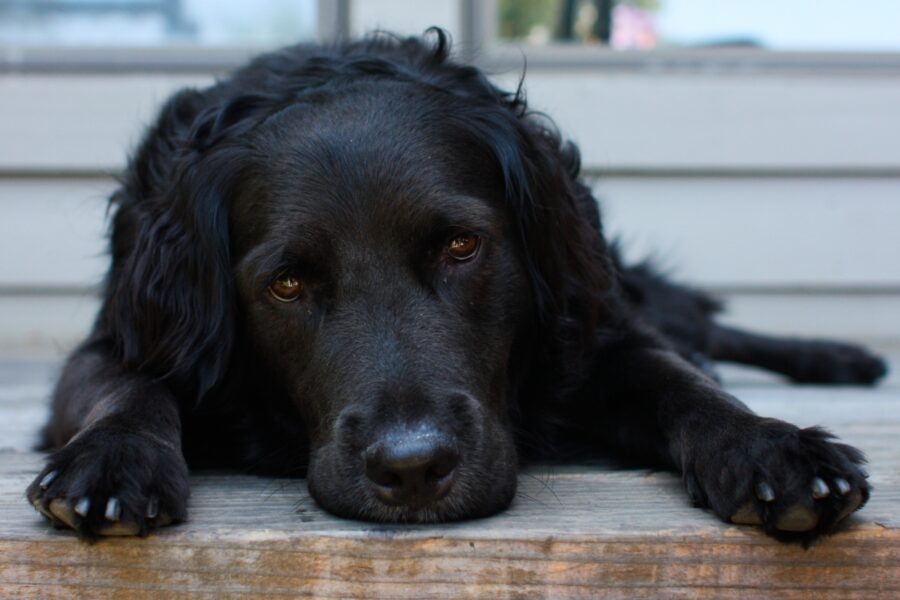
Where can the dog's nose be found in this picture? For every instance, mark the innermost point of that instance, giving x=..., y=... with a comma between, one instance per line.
x=412, y=469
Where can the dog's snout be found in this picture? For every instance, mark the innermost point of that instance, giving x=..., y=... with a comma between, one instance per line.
x=412, y=469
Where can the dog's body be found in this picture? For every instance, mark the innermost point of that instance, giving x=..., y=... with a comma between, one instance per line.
x=368, y=265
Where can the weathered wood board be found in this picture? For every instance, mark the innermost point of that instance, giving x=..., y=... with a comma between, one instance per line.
x=573, y=532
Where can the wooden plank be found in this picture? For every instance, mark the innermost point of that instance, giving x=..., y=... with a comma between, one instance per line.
x=746, y=236
x=48, y=325
x=623, y=121
x=78, y=122
x=767, y=232
x=60, y=225
x=870, y=318
x=572, y=532
x=721, y=232
x=714, y=121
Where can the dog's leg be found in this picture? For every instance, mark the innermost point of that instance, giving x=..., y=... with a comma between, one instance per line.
x=796, y=483
x=803, y=361
x=121, y=470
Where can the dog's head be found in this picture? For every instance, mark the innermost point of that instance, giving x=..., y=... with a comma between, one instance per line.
x=392, y=243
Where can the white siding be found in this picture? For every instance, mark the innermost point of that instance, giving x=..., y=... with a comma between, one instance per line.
x=742, y=232
x=78, y=122
x=783, y=191
x=639, y=121
x=52, y=232
x=706, y=122
x=726, y=233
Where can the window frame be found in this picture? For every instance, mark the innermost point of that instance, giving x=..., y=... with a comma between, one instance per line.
x=479, y=25
x=333, y=22
x=476, y=42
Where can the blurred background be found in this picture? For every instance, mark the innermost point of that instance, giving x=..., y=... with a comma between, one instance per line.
x=751, y=146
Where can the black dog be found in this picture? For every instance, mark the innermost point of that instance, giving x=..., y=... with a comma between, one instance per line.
x=368, y=265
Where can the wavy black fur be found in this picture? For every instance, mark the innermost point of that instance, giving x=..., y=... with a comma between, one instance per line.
x=350, y=168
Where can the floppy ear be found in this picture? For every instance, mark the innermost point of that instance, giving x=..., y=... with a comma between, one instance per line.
x=557, y=220
x=557, y=217
x=170, y=306
x=564, y=248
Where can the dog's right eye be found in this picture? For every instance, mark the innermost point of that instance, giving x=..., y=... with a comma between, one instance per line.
x=463, y=247
x=286, y=288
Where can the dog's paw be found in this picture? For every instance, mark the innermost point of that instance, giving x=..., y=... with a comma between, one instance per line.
x=795, y=483
x=838, y=363
x=111, y=480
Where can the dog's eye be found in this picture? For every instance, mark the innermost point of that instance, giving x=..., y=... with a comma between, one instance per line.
x=285, y=289
x=464, y=246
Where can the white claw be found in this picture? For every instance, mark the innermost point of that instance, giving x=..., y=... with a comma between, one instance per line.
x=83, y=506
x=113, y=509
x=152, y=508
x=843, y=486
x=48, y=479
x=765, y=492
x=820, y=489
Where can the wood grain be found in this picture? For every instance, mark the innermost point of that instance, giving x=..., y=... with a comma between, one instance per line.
x=572, y=532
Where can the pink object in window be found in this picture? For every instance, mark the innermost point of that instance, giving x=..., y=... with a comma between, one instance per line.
x=633, y=29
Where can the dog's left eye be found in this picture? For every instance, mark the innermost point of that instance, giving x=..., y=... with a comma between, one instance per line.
x=286, y=288
x=464, y=247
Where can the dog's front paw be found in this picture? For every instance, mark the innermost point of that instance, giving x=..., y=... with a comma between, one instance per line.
x=112, y=480
x=796, y=483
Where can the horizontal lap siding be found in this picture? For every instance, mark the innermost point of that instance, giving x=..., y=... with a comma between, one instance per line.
x=71, y=123
x=52, y=232
x=746, y=233
x=621, y=121
x=726, y=122
x=782, y=192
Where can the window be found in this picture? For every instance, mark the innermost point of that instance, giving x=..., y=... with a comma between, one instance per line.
x=148, y=23
x=791, y=25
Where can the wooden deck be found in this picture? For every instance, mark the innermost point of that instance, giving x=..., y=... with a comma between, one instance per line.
x=575, y=532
